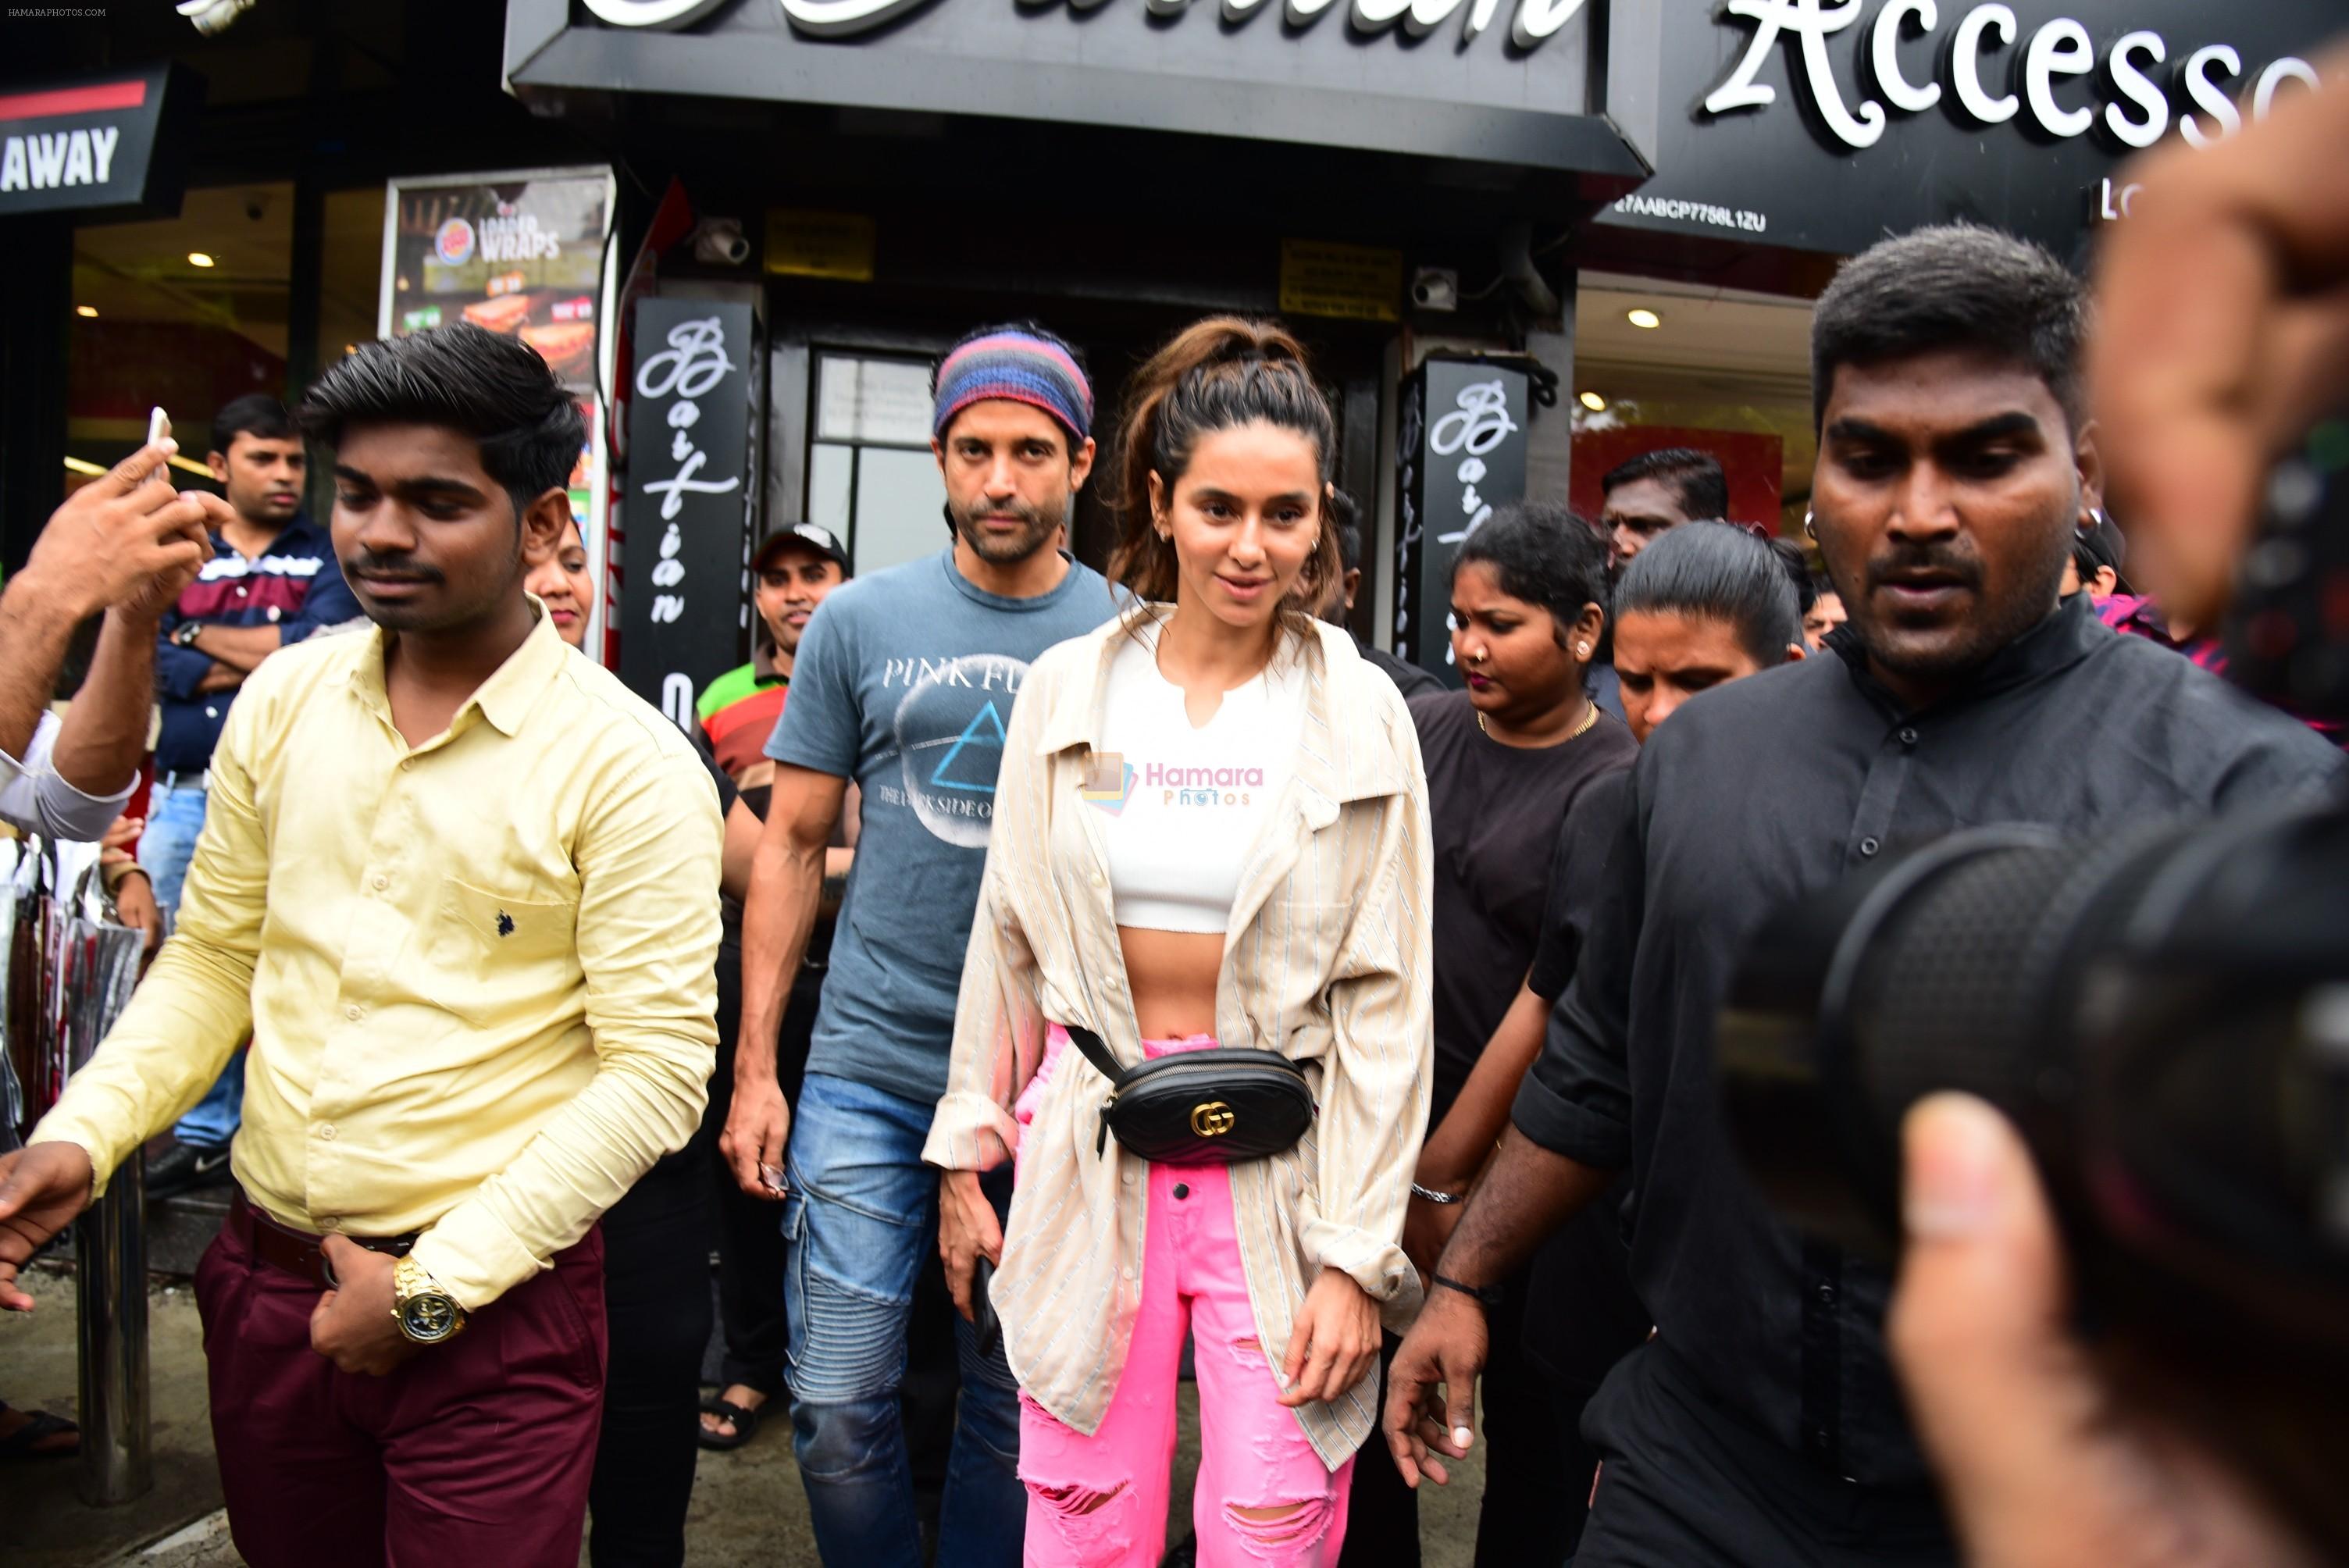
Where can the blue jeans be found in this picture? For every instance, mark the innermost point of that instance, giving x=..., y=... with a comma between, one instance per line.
x=861, y=1220
x=175, y=816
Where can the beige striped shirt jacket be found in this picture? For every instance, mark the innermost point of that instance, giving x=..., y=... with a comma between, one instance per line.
x=1327, y=959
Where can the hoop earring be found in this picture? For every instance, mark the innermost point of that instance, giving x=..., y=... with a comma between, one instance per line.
x=1810, y=525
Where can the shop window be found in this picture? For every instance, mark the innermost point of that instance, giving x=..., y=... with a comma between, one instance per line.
x=1659, y=365
x=187, y=312
x=872, y=478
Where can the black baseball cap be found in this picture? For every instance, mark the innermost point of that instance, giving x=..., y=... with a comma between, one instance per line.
x=2106, y=544
x=813, y=536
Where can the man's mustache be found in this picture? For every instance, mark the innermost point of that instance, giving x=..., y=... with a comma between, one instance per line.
x=1958, y=566
x=372, y=566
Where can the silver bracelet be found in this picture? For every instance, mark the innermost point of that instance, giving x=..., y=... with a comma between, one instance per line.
x=1432, y=1196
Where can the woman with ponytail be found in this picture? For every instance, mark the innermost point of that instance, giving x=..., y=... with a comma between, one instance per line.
x=1210, y=835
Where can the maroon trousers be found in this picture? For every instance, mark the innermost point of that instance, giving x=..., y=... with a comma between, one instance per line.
x=478, y=1451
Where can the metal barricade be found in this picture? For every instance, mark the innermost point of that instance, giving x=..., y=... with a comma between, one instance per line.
x=67, y=970
x=118, y=1461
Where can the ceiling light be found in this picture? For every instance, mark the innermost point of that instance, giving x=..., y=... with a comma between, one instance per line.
x=82, y=466
x=190, y=465
x=90, y=311
x=1592, y=401
x=198, y=259
x=1644, y=318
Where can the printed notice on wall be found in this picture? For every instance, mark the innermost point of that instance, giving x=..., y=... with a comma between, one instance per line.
x=1321, y=277
x=806, y=243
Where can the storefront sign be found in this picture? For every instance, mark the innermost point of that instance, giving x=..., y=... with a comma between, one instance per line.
x=688, y=498
x=1412, y=77
x=1463, y=442
x=97, y=146
x=1361, y=283
x=810, y=244
x=518, y=253
x=1531, y=24
x=1824, y=125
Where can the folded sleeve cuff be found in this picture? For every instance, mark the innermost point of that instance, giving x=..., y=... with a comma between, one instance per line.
x=179, y=671
x=474, y=1257
x=1565, y=1127
x=970, y=1133
x=1379, y=1266
x=78, y=818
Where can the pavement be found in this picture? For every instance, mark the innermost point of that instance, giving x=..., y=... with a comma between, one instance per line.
x=748, y=1506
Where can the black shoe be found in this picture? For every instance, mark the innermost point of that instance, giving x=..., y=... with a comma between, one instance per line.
x=183, y=1168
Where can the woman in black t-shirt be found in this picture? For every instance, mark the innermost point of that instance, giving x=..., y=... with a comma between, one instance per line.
x=1506, y=760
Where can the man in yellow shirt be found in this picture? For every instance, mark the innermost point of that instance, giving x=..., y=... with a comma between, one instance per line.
x=460, y=888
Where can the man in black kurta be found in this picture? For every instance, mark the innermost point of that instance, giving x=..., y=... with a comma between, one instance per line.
x=1762, y=1424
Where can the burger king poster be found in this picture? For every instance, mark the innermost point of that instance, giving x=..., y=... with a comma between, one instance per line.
x=521, y=254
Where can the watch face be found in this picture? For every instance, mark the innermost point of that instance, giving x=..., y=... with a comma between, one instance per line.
x=427, y=1318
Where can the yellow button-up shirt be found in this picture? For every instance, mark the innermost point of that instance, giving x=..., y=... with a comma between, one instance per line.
x=1326, y=961
x=478, y=975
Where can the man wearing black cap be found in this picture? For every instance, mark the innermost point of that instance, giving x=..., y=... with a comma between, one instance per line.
x=2098, y=552
x=796, y=566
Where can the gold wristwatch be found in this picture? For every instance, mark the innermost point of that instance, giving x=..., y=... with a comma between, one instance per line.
x=425, y=1313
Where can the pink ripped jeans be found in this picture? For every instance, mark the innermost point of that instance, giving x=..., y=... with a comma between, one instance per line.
x=1263, y=1496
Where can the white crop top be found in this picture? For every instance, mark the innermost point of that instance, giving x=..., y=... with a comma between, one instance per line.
x=1183, y=807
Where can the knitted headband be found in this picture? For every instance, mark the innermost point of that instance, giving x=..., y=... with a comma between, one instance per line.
x=1022, y=368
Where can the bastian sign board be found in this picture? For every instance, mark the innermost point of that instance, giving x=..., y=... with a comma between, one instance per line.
x=1503, y=81
x=688, y=489
x=1822, y=125
x=110, y=145
x=1463, y=455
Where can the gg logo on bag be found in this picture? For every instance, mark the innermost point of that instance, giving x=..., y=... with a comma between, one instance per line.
x=1212, y=1120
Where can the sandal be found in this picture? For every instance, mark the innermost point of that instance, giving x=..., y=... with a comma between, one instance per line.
x=24, y=1443
x=745, y=1424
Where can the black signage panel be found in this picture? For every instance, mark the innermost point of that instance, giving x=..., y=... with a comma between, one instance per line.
x=1463, y=442
x=110, y=145
x=687, y=509
x=1496, y=81
x=1822, y=126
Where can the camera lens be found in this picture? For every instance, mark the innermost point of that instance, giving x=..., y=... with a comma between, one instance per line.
x=2165, y=1016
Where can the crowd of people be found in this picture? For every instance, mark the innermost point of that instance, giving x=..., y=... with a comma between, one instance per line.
x=1034, y=982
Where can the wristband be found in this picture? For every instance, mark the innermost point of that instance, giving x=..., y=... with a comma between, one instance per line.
x=1430, y=1194
x=1487, y=1296
x=120, y=872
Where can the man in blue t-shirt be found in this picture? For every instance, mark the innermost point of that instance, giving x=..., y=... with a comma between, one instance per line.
x=903, y=683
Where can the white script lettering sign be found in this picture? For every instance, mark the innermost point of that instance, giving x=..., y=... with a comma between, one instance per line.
x=1824, y=125
x=1533, y=22
x=2056, y=71
x=688, y=445
x=1466, y=459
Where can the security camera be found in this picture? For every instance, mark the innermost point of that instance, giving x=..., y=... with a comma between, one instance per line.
x=1435, y=288
x=212, y=16
x=720, y=240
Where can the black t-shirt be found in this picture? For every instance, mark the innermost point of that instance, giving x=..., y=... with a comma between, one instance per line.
x=1583, y=840
x=1497, y=812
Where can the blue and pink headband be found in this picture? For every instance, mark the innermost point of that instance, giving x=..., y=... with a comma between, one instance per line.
x=1019, y=366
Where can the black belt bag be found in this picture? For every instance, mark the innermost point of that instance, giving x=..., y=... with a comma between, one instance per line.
x=1200, y=1108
